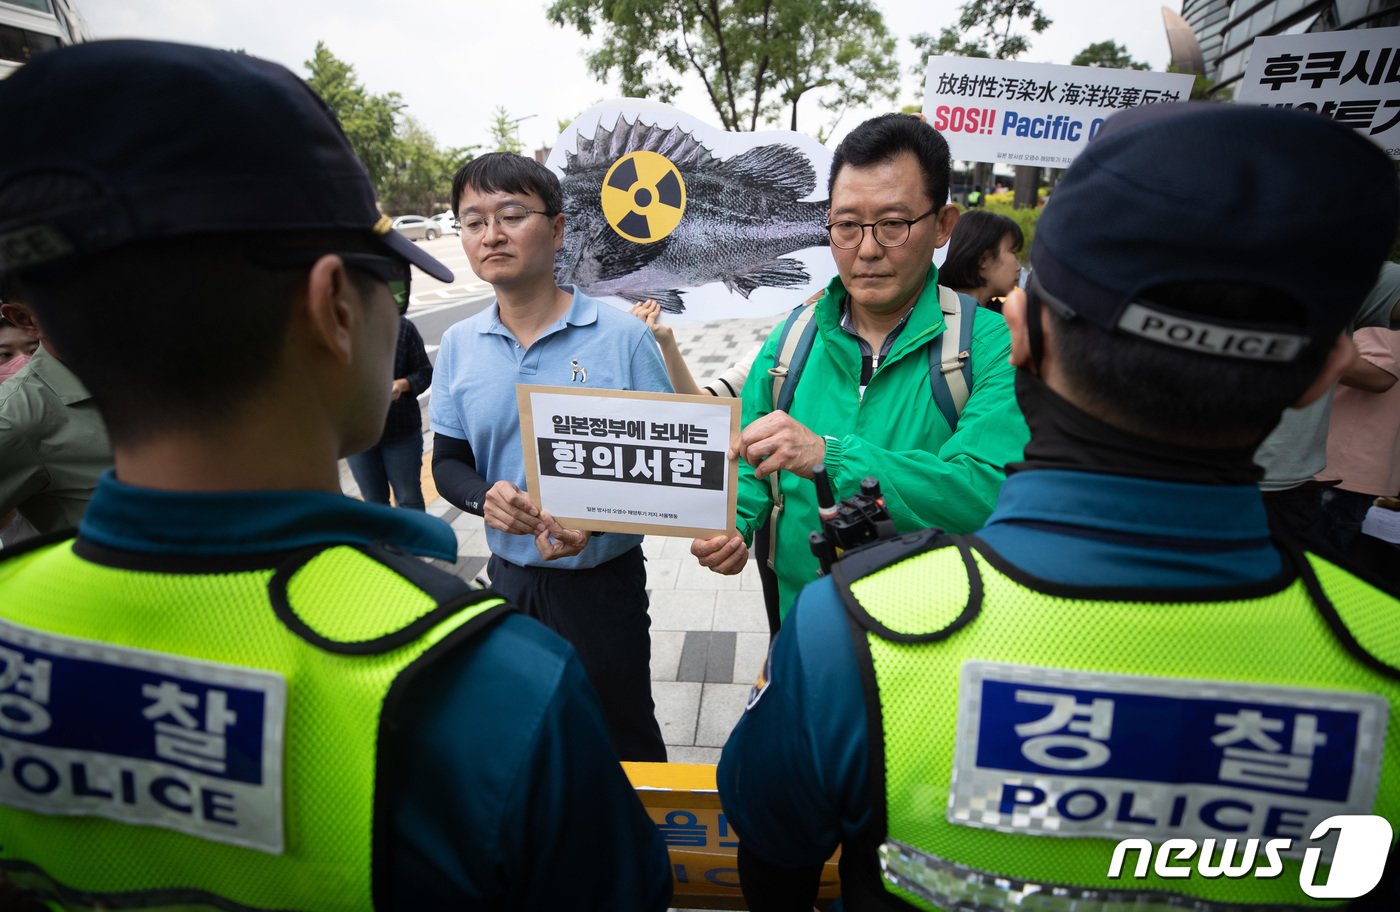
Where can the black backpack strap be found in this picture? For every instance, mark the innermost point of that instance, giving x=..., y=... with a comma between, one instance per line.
x=794, y=345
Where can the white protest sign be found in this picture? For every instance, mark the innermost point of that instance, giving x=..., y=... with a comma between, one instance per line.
x=712, y=225
x=1352, y=77
x=621, y=461
x=1038, y=114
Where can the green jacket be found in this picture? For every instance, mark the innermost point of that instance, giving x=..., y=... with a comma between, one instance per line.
x=929, y=474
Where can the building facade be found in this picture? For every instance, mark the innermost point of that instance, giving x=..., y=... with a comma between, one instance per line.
x=28, y=27
x=1224, y=30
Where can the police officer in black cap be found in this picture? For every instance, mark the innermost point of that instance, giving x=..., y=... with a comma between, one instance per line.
x=236, y=688
x=1120, y=694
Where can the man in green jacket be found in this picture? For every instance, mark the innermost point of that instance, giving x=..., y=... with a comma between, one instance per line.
x=863, y=403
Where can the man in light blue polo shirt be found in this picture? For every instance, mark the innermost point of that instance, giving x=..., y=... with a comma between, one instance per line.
x=591, y=590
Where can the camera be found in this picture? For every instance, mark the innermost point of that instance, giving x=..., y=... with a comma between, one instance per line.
x=855, y=521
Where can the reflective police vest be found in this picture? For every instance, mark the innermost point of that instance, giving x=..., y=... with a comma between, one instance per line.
x=209, y=732
x=1035, y=738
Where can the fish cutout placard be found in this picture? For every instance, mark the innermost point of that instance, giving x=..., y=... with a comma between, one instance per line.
x=712, y=225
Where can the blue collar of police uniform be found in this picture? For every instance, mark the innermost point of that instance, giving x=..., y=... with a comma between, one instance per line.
x=1139, y=506
x=129, y=518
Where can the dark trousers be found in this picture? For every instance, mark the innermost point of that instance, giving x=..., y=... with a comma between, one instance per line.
x=398, y=462
x=1343, y=513
x=1296, y=514
x=602, y=612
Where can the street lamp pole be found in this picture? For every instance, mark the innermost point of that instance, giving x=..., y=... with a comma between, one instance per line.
x=516, y=124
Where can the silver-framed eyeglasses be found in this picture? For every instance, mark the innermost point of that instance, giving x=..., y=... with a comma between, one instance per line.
x=507, y=218
x=888, y=232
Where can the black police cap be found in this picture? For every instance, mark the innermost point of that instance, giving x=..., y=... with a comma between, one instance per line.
x=1219, y=193
x=180, y=140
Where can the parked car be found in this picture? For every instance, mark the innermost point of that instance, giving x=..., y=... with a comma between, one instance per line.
x=416, y=227
x=447, y=222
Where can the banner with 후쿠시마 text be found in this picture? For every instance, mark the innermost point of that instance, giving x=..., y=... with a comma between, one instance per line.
x=1352, y=77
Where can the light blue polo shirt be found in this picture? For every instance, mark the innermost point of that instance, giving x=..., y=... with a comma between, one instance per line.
x=474, y=380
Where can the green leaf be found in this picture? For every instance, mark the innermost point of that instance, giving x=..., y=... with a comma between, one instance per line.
x=1109, y=54
x=756, y=59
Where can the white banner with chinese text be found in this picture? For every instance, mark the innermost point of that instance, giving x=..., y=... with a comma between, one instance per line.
x=1037, y=114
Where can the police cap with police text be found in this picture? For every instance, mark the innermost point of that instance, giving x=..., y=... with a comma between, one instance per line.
x=178, y=140
x=1204, y=193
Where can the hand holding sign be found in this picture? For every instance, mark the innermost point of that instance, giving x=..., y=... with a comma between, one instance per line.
x=779, y=442
x=554, y=541
x=509, y=509
x=724, y=554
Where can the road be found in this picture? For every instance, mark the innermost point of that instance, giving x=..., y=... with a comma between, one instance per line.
x=434, y=305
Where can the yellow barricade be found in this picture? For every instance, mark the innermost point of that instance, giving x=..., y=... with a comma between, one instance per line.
x=684, y=802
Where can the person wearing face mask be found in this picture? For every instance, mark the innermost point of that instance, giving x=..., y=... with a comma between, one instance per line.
x=1122, y=652
x=982, y=258
x=16, y=346
x=53, y=443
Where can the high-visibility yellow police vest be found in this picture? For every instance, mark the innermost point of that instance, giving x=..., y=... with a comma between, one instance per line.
x=1022, y=729
x=207, y=733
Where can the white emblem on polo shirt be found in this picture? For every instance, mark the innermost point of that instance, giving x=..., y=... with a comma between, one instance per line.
x=580, y=374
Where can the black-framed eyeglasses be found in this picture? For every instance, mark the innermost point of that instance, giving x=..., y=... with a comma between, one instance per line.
x=507, y=218
x=888, y=232
x=396, y=273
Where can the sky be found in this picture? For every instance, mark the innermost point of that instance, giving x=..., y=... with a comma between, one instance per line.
x=455, y=61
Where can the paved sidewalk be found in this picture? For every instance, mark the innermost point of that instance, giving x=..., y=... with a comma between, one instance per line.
x=709, y=633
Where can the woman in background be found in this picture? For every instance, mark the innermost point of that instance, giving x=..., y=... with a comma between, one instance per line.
x=982, y=257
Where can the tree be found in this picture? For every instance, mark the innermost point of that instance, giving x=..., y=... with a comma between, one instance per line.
x=368, y=120
x=410, y=172
x=563, y=122
x=949, y=43
x=420, y=174
x=841, y=45
x=504, y=137
x=994, y=21
x=755, y=58
x=1109, y=54
x=1202, y=89
x=990, y=24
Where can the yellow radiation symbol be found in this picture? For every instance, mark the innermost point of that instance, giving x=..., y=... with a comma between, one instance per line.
x=643, y=197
